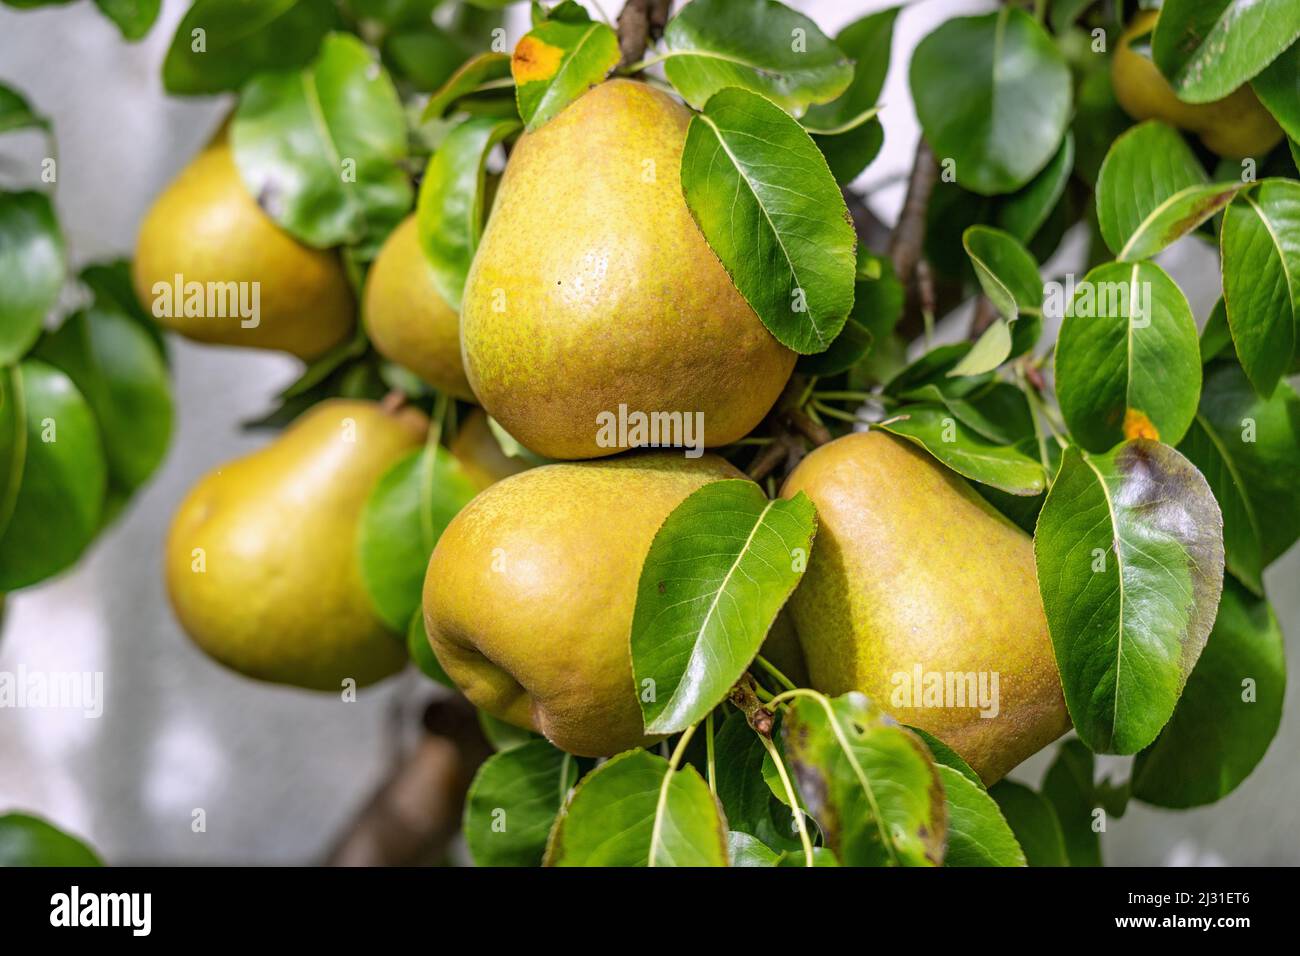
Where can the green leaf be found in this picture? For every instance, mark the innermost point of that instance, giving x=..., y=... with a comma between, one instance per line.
x=13, y=447
x=745, y=850
x=1128, y=359
x=945, y=756
x=1260, y=249
x=1009, y=468
x=751, y=44
x=111, y=287
x=30, y=841
x=1025, y=211
x=1068, y=787
x=1152, y=190
x=32, y=266
x=406, y=513
x=450, y=211
x=425, y=55
x=1009, y=277
x=321, y=147
x=16, y=113
x=1033, y=821
x=557, y=62
x=1277, y=89
x=473, y=73
x=999, y=411
x=513, y=802
x=1215, y=336
x=634, y=810
x=221, y=43
x=1248, y=448
x=133, y=17
x=61, y=496
x=993, y=95
x=115, y=364
x=746, y=797
x=421, y=651
x=772, y=212
x=849, y=348
x=1228, y=715
x=1129, y=549
x=719, y=569
x=978, y=834
x=877, y=307
x=1208, y=48
x=869, y=783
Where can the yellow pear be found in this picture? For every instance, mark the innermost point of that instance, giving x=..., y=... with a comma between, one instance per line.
x=212, y=266
x=261, y=560
x=593, y=287
x=480, y=454
x=407, y=320
x=916, y=590
x=1236, y=126
x=530, y=592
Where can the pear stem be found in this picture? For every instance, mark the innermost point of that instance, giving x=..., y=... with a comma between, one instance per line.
x=767, y=665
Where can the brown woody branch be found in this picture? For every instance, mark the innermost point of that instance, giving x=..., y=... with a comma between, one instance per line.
x=640, y=24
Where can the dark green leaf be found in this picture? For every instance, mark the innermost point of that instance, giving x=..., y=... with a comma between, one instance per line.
x=745, y=850
x=769, y=207
x=1009, y=468
x=30, y=841
x=945, y=756
x=17, y=113
x=1033, y=820
x=111, y=286
x=1208, y=48
x=978, y=834
x=1129, y=549
x=133, y=17
x=998, y=411
x=557, y=62
x=847, y=154
x=473, y=73
x=993, y=95
x=757, y=45
x=1216, y=336
x=1068, y=787
x=1009, y=277
x=1277, y=89
x=1023, y=213
x=513, y=802
x=425, y=55
x=1229, y=712
x=32, y=267
x=744, y=791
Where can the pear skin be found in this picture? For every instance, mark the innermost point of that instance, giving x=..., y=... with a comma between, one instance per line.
x=261, y=560
x=530, y=592
x=407, y=320
x=207, y=229
x=593, y=287
x=912, y=569
x=480, y=454
x=1236, y=126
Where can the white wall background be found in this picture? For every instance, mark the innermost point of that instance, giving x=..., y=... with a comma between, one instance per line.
x=278, y=771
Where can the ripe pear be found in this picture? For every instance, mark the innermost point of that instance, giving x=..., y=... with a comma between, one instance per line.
x=593, y=287
x=912, y=571
x=261, y=561
x=529, y=596
x=207, y=233
x=480, y=454
x=408, y=321
x=1236, y=126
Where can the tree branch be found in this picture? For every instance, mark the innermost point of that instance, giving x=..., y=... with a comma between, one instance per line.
x=907, y=244
x=639, y=24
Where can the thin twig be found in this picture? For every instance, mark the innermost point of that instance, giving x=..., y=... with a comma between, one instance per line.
x=639, y=24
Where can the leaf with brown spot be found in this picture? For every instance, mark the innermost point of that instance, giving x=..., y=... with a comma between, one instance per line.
x=557, y=62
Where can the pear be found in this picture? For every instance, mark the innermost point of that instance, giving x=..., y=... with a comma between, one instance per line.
x=529, y=596
x=408, y=321
x=1236, y=126
x=593, y=288
x=914, y=575
x=207, y=254
x=480, y=454
x=261, y=561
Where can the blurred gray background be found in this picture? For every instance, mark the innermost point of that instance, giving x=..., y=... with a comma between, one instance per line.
x=278, y=771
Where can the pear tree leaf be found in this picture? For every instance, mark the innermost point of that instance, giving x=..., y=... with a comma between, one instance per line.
x=13, y=445
x=870, y=784
x=16, y=113
x=1009, y=468
x=1128, y=360
x=1032, y=819
x=743, y=768
x=133, y=18
x=1152, y=190
x=993, y=94
x=482, y=68
x=221, y=43
x=115, y=364
x=746, y=850
x=769, y=207
x=1276, y=89
x=111, y=288
x=877, y=307
x=757, y=45
x=1208, y=48
x=978, y=834
x=719, y=570
x=1068, y=786
x=1229, y=712
x=932, y=367
x=1216, y=336
x=513, y=802
x=449, y=216
x=1129, y=550
x=421, y=652
x=1260, y=251
x=945, y=756
x=60, y=499
x=1248, y=448
x=634, y=810
x=406, y=513
x=26, y=840
x=558, y=61
x=423, y=54
x=32, y=268
x=1009, y=277
x=999, y=411
x=1024, y=212
x=321, y=148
